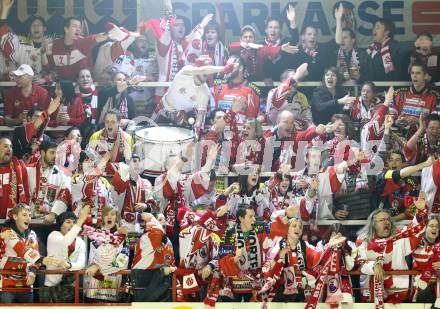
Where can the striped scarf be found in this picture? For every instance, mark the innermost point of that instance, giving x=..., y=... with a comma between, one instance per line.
x=103, y=236
x=91, y=95
x=218, y=54
x=312, y=53
x=385, y=52
x=17, y=185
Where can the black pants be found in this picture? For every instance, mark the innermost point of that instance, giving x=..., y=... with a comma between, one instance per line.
x=151, y=285
x=427, y=295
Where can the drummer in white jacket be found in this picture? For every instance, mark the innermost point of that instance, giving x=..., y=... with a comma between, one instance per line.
x=189, y=91
x=65, y=244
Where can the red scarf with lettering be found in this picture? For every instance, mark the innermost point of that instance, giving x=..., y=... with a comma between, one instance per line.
x=330, y=266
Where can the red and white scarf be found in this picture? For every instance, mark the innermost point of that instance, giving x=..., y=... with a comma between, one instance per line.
x=428, y=273
x=330, y=266
x=310, y=52
x=110, y=104
x=103, y=236
x=90, y=108
x=272, y=43
x=18, y=193
x=382, y=246
x=385, y=51
x=359, y=111
x=217, y=53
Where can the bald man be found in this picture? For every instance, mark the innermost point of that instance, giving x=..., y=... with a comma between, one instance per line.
x=284, y=140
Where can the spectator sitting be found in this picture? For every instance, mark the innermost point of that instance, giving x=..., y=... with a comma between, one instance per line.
x=25, y=95
x=71, y=111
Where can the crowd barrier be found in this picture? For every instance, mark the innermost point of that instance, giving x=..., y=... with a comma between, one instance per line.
x=80, y=273
x=219, y=306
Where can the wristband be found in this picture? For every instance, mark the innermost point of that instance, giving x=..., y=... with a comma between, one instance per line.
x=45, y=115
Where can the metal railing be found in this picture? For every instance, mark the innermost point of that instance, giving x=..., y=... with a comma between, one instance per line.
x=173, y=291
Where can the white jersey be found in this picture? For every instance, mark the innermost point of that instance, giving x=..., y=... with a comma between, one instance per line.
x=185, y=95
x=69, y=248
x=49, y=189
x=18, y=50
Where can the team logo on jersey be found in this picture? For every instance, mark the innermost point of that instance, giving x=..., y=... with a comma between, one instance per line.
x=333, y=285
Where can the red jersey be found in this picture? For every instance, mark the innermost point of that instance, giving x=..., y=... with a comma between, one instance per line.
x=20, y=253
x=14, y=186
x=16, y=103
x=396, y=193
x=68, y=60
x=76, y=112
x=254, y=58
x=409, y=102
x=224, y=95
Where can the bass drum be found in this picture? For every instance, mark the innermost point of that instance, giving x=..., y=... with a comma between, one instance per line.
x=155, y=144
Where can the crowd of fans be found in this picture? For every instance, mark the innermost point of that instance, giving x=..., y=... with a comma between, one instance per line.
x=329, y=155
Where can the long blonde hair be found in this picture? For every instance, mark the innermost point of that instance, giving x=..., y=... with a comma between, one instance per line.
x=105, y=213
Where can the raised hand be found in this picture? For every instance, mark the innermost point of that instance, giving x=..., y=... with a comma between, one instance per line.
x=221, y=211
x=146, y=216
x=7, y=4
x=53, y=105
x=301, y=72
x=291, y=15
x=389, y=96
x=320, y=129
x=389, y=121
x=336, y=240
x=422, y=124
x=339, y=12
x=421, y=201
x=168, y=5
x=84, y=212
x=233, y=187
x=206, y=20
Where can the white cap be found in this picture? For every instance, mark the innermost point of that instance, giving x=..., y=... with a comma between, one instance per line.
x=24, y=69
